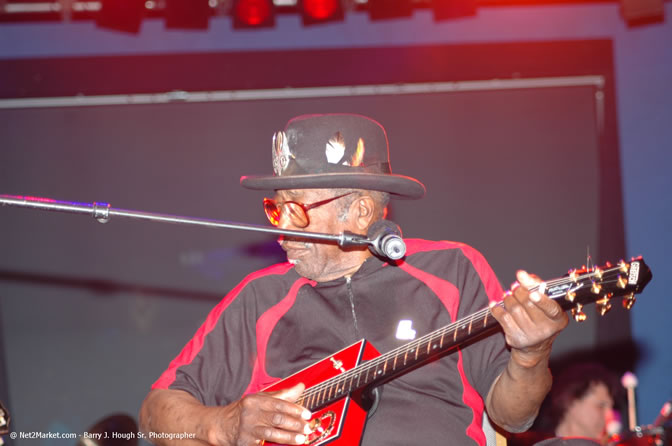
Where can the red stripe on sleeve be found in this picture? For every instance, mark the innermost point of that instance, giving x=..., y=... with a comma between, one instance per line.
x=194, y=346
x=444, y=290
x=472, y=399
x=492, y=286
x=449, y=296
x=265, y=325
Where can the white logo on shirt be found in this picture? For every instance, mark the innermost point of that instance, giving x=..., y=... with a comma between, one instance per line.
x=404, y=330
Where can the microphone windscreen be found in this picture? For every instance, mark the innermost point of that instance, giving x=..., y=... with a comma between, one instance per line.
x=383, y=227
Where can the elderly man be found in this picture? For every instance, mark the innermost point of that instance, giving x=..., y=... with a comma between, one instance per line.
x=331, y=175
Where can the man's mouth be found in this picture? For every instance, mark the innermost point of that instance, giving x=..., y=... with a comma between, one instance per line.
x=294, y=252
x=295, y=249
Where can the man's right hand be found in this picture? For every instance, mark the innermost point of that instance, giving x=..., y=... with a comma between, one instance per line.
x=268, y=416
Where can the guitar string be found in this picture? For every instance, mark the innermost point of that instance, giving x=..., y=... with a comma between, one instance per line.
x=429, y=338
x=337, y=384
x=412, y=346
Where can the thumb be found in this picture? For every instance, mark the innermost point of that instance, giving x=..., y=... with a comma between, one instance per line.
x=292, y=394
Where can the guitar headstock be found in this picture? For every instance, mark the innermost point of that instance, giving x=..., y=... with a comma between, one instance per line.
x=599, y=285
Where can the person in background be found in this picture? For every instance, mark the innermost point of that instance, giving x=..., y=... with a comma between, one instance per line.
x=579, y=408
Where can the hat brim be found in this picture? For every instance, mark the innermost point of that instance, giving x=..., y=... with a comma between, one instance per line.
x=398, y=185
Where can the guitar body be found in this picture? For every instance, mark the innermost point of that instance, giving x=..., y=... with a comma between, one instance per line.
x=341, y=422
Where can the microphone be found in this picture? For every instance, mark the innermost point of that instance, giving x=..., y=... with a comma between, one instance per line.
x=385, y=240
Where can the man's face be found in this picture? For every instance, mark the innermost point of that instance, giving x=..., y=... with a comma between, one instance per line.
x=312, y=259
x=591, y=413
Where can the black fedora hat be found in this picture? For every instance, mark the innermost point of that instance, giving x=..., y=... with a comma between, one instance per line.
x=333, y=151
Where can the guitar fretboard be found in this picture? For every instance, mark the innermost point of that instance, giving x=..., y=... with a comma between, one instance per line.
x=426, y=348
x=398, y=361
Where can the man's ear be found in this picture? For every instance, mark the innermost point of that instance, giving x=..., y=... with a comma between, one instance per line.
x=363, y=210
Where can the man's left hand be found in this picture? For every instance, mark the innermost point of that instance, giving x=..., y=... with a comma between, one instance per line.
x=531, y=320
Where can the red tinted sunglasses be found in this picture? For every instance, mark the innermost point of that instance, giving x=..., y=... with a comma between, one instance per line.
x=297, y=212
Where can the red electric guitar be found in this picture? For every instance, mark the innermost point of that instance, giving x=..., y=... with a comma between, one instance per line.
x=337, y=387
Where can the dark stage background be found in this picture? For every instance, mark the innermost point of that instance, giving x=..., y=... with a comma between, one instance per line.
x=91, y=313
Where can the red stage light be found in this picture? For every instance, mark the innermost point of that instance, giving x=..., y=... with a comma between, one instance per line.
x=389, y=9
x=453, y=9
x=320, y=10
x=122, y=15
x=187, y=14
x=253, y=12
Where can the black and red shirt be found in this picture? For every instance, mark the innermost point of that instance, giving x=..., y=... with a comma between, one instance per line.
x=275, y=323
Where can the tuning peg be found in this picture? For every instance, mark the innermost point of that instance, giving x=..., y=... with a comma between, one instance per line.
x=621, y=282
x=624, y=267
x=570, y=296
x=574, y=275
x=596, y=288
x=604, y=304
x=629, y=300
x=579, y=315
x=597, y=272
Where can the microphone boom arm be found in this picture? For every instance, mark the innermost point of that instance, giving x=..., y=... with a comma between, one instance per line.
x=102, y=212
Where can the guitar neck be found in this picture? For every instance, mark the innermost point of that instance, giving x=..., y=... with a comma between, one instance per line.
x=400, y=360
x=572, y=291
